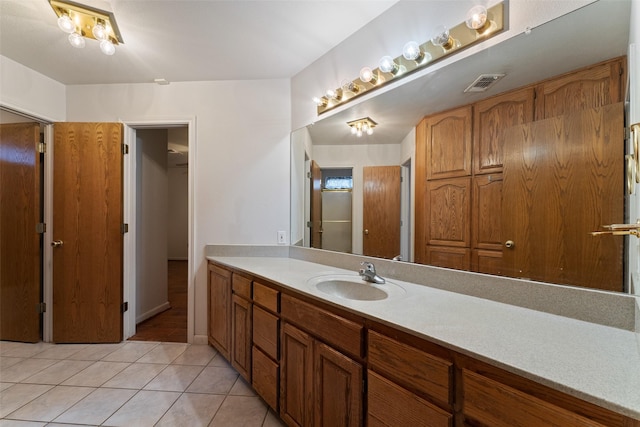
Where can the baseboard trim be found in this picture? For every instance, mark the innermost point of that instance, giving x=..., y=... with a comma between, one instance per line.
x=200, y=339
x=149, y=314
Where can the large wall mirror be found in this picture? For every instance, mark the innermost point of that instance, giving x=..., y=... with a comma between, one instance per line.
x=374, y=207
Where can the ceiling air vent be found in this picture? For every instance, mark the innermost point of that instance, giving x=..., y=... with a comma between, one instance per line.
x=484, y=82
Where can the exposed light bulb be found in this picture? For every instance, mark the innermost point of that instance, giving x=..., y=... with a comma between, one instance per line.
x=359, y=133
x=367, y=75
x=369, y=131
x=107, y=47
x=353, y=130
x=442, y=38
x=476, y=17
x=100, y=32
x=76, y=40
x=411, y=51
x=320, y=102
x=350, y=86
x=66, y=24
x=388, y=65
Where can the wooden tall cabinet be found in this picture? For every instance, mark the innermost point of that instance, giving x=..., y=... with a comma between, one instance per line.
x=460, y=221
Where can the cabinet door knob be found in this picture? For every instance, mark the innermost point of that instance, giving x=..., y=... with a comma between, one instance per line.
x=509, y=244
x=56, y=243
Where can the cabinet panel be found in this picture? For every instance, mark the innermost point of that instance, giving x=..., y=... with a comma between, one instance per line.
x=492, y=403
x=490, y=118
x=241, y=345
x=410, y=367
x=266, y=297
x=487, y=212
x=338, y=388
x=449, y=212
x=219, y=309
x=265, y=331
x=333, y=329
x=265, y=374
x=446, y=257
x=296, y=377
x=390, y=405
x=448, y=144
x=487, y=262
x=593, y=87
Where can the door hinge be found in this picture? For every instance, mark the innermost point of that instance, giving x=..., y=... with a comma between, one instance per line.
x=41, y=228
x=309, y=224
x=42, y=307
x=42, y=147
x=125, y=149
x=124, y=228
x=308, y=174
x=125, y=306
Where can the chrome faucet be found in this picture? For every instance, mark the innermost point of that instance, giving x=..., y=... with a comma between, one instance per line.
x=368, y=273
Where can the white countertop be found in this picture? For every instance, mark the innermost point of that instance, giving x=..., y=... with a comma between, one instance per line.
x=596, y=363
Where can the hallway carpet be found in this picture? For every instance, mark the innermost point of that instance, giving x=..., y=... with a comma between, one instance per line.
x=171, y=324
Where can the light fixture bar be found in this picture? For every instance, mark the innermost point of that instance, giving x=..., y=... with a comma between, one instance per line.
x=86, y=17
x=461, y=34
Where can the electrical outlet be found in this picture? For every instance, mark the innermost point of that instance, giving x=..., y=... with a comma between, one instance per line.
x=282, y=237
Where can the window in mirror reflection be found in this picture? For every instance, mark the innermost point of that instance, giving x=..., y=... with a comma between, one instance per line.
x=338, y=183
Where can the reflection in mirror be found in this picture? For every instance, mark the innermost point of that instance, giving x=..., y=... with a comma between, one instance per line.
x=399, y=114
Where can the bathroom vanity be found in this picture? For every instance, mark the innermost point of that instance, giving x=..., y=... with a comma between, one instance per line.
x=322, y=355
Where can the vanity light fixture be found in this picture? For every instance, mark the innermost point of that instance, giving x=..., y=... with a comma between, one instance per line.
x=84, y=22
x=480, y=24
x=362, y=126
x=333, y=94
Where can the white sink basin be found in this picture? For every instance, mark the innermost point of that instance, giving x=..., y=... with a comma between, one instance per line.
x=352, y=287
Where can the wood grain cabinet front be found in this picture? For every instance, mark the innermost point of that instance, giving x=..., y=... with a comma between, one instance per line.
x=219, y=309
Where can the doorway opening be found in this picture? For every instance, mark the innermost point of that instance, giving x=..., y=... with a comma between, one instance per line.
x=161, y=241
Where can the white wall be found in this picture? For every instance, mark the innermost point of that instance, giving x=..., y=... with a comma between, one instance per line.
x=151, y=234
x=357, y=156
x=241, y=171
x=178, y=214
x=29, y=92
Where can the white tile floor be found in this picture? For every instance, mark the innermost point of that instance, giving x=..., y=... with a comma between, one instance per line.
x=127, y=384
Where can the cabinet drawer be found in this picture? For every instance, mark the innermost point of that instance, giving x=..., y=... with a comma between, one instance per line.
x=266, y=331
x=391, y=405
x=265, y=378
x=410, y=367
x=241, y=286
x=492, y=403
x=333, y=329
x=266, y=297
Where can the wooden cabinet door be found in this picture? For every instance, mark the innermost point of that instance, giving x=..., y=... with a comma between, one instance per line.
x=389, y=405
x=241, y=336
x=563, y=178
x=338, y=388
x=596, y=86
x=296, y=377
x=448, y=208
x=20, y=195
x=490, y=118
x=448, y=144
x=486, y=224
x=381, y=211
x=219, y=310
x=487, y=262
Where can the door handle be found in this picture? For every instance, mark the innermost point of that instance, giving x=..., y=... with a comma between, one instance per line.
x=509, y=244
x=366, y=232
x=56, y=243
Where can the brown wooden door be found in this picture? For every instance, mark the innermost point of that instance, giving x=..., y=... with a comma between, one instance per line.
x=563, y=177
x=87, y=219
x=20, y=253
x=338, y=388
x=316, y=206
x=381, y=211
